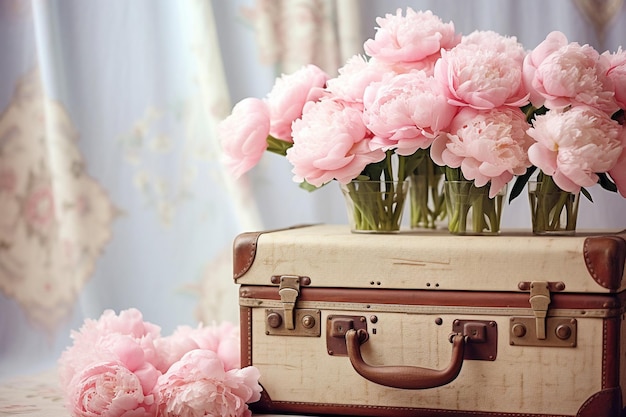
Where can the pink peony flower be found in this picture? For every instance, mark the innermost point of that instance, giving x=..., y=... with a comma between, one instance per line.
x=330, y=142
x=243, y=135
x=413, y=41
x=111, y=370
x=198, y=386
x=484, y=72
x=559, y=74
x=353, y=78
x=222, y=339
x=617, y=74
x=406, y=112
x=289, y=95
x=125, y=338
x=110, y=389
x=573, y=145
x=489, y=145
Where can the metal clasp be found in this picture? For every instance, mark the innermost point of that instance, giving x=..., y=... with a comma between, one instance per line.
x=539, y=301
x=290, y=321
x=288, y=291
x=548, y=331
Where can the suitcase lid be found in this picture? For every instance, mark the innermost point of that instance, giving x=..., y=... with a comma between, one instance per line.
x=332, y=256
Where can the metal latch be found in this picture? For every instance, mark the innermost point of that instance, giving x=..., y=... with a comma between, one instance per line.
x=289, y=320
x=539, y=301
x=542, y=330
x=288, y=291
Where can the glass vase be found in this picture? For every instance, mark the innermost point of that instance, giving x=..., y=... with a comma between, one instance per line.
x=426, y=196
x=470, y=210
x=553, y=210
x=375, y=206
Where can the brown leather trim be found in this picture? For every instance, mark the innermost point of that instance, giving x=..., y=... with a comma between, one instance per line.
x=376, y=411
x=605, y=257
x=605, y=403
x=244, y=250
x=610, y=302
x=611, y=353
x=245, y=330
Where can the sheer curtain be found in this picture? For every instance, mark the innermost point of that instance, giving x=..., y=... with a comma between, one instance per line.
x=112, y=194
x=111, y=190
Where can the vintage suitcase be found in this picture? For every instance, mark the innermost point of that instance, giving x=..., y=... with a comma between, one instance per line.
x=431, y=324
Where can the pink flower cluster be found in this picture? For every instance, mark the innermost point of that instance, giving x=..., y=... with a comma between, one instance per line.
x=487, y=140
x=120, y=366
x=480, y=104
x=578, y=137
x=243, y=134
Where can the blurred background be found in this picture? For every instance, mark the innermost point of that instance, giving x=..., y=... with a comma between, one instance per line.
x=112, y=194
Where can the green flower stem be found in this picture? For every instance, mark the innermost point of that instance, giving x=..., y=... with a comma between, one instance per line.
x=478, y=215
x=426, y=196
x=278, y=146
x=553, y=210
x=376, y=205
x=463, y=196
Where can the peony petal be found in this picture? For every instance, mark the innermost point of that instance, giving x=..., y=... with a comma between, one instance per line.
x=437, y=148
x=565, y=183
x=543, y=158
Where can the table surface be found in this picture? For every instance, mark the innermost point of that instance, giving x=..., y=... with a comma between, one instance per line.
x=38, y=396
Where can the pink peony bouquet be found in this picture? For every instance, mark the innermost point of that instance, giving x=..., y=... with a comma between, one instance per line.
x=374, y=121
x=576, y=113
x=480, y=106
x=120, y=366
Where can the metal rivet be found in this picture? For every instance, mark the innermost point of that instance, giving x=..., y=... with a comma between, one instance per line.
x=438, y=321
x=274, y=320
x=308, y=322
x=563, y=332
x=519, y=330
x=373, y=319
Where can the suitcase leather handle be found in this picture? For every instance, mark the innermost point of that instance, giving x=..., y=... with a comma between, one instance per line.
x=406, y=377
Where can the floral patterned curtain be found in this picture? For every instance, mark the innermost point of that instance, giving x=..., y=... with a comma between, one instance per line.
x=292, y=33
x=112, y=194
